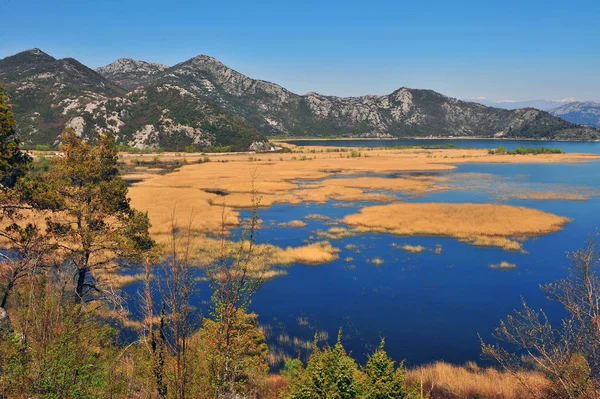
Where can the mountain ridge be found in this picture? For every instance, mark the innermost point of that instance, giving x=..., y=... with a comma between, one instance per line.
x=211, y=104
x=585, y=113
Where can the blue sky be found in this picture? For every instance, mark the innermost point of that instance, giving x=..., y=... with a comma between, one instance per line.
x=501, y=50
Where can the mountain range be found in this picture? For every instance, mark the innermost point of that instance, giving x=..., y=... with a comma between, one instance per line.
x=544, y=105
x=581, y=113
x=203, y=103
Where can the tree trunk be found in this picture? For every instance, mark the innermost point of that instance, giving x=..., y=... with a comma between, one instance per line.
x=81, y=274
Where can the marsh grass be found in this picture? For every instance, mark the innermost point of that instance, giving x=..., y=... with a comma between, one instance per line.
x=503, y=266
x=335, y=233
x=415, y=249
x=444, y=381
x=312, y=254
x=550, y=196
x=317, y=217
x=293, y=223
x=478, y=224
x=376, y=261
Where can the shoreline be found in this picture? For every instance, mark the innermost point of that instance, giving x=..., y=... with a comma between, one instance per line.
x=279, y=140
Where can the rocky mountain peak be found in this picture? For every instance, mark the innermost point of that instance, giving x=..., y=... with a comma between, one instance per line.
x=127, y=65
x=36, y=51
x=130, y=73
x=31, y=56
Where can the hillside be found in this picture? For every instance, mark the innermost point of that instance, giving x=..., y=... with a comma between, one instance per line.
x=582, y=113
x=50, y=95
x=204, y=103
x=273, y=110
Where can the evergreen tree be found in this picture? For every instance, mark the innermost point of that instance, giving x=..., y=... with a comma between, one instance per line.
x=329, y=374
x=92, y=218
x=14, y=163
x=382, y=379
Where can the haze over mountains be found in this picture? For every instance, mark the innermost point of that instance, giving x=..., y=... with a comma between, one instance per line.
x=582, y=113
x=544, y=105
x=202, y=102
x=586, y=113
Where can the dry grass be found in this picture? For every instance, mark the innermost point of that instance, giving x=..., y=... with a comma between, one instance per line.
x=415, y=249
x=408, y=185
x=376, y=261
x=312, y=254
x=293, y=223
x=479, y=224
x=335, y=233
x=115, y=280
x=445, y=381
x=503, y=266
x=317, y=217
x=550, y=196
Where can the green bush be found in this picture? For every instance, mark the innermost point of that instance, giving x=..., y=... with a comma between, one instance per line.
x=535, y=151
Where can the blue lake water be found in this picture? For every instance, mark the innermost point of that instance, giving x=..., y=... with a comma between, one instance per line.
x=428, y=306
x=566, y=146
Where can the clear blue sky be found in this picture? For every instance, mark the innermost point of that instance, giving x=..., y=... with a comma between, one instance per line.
x=502, y=50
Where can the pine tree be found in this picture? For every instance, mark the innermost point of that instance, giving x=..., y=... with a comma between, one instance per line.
x=14, y=163
x=92, y=219
x=383, y=380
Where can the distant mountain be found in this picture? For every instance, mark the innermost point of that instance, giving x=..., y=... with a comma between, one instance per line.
x=581, y=113
x=544, y=105
x=203, y=102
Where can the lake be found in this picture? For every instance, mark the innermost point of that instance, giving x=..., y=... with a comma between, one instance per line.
x=566, y=146
x=428, y=306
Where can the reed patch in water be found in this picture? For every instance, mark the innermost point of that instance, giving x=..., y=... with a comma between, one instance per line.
x=415, y=249
x=503, y=266
x=293, y=223
x=478, y=224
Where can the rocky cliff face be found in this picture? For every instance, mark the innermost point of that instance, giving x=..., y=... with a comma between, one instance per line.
x=129, y=73
x=204, y=103
x=581, y=113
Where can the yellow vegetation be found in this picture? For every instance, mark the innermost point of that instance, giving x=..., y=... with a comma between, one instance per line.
x=504, y=266
x=445, y=381
x=314, y=216
x=377, y=261
x=479, y=224
x=292, y=223
x=313, y=254
x=335, y=233
x=546, y=196
x=417, y=249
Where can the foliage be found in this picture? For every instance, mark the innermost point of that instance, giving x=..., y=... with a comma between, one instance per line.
x=535, y=151
x=92, y=220
x=244, y=354
x=383, y=380
x=70, y=355
x=14, y=163
x=330, y=373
